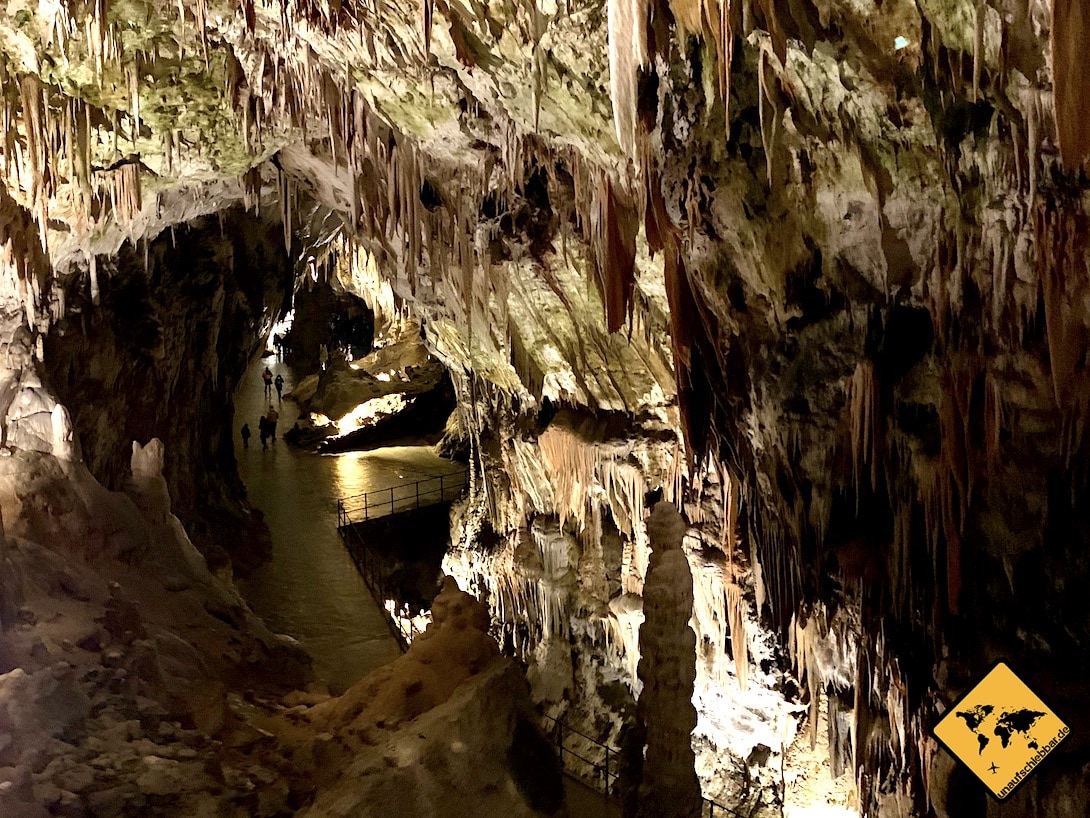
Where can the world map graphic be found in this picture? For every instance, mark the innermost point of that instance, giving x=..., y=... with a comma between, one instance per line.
x=986, y=720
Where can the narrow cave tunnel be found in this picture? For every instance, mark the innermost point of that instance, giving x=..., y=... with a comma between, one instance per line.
x=637, y=409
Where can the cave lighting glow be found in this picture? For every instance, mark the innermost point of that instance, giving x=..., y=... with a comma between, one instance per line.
x=370, y=411
x=819, y=811
x=352, y=473
x=408, y=624
x=319, y=420
x=899, y=43
x=281, y=328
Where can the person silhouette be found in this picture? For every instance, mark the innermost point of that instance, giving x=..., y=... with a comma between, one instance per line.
x=271, y=417
x=245, y=435
x=267, y=377
x=279, y=387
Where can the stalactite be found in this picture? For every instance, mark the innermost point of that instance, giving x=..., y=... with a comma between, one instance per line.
x=725, y=56
x=712, y=20
x=1070, y=32
x=739, y=648
x=92, y=265
x=770, y=121
x=864, y=416
x=993, y=419
x=251, y=188
x=249, y=14
x=627, y=26
x=613, y=245
x=1033, y=143
x=573, y=465
x=122, y=186
x=978, y=46
x=283, y=191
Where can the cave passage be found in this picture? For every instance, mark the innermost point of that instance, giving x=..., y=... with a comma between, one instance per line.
x=309, y=589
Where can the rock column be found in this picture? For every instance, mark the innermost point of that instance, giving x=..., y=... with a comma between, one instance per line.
x=667, y=670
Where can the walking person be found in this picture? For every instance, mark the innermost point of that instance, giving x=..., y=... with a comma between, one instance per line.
x=263, y=430
x=267, y=377
x=245, y=435
x=279, y=387
x=270, y=421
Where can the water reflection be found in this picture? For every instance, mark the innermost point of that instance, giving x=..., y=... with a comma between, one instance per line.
x=310, y=588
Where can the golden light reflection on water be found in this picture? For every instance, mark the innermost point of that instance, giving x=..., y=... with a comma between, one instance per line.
x=351, y=474
x=358, y=472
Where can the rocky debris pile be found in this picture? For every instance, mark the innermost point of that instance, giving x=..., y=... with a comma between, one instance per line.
x=82, y=744
x=129, y=671
x=437, y=731
x=135, y=682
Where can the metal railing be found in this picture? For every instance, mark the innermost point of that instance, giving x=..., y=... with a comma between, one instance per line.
x=403, y=629
x=369, y=505
x=359, y=508
x=602, y=771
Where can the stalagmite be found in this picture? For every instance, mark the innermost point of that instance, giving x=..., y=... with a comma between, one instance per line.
x=667, y=670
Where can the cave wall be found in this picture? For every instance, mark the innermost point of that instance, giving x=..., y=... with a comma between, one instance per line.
x=325, y=317
x=178, y=320
x=553, y=537
x=892, y=354
x=134, y=680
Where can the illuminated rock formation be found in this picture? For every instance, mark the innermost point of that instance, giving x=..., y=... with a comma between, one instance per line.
x=668, y=672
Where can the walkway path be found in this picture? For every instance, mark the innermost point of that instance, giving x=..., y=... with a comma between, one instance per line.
x=310, y=588
x=585, y=802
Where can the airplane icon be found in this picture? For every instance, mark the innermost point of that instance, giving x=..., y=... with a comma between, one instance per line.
x=993, y=768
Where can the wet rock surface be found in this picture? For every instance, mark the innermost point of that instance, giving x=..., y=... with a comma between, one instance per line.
x=160, y=355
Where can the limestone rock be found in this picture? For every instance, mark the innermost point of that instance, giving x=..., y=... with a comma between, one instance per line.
x=668, y=671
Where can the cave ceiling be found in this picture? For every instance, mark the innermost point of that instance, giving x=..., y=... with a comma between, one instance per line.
x=453, y=138
x=123, y=117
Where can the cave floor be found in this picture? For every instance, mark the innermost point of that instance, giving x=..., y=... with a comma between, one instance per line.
x=585, y=802
x=310, y=589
